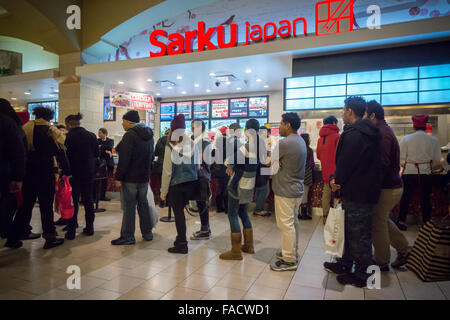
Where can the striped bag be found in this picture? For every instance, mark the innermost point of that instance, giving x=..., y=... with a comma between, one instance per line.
x=430, y=256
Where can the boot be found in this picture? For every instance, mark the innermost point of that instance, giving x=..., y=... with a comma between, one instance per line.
x=235, y=252
x=248, y=241
x=304, y=214
x=53, y=242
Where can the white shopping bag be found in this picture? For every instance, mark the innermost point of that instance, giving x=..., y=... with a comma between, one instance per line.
x=334, y=232
x=153, y=210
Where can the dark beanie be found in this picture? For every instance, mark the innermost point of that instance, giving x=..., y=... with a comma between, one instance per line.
x=132, y=116
x=178, y=122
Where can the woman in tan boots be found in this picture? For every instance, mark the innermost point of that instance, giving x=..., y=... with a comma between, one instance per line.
x=240, y=188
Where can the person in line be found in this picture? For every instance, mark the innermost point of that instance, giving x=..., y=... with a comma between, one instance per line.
x=305, y=206
x=180, y=174
x=358, y=176
x=106, y=146
x=12, y=164
x=419, y=154
x=326, y=153
x=262, y=181
x=82, y=152
x=384, y=231
x=61, y=221
x=218, y=170
x=242, y=166
x=288, y=187
x=155, y=180
x=203, y=147
x=133, y=176
x=44, y=144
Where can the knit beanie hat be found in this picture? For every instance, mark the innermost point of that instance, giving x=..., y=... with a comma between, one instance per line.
x=420, y=121
x=132, y=116
x=178, y=122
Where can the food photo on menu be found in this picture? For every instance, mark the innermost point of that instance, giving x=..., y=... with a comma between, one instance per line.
x=121, y=99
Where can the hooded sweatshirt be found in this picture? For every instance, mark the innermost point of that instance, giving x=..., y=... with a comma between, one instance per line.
x=326, y=149
x=358, y=162
x=135, y=155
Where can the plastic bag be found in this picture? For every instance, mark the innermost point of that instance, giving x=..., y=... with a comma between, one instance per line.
x=153, y=210
x=334, y=232
x=63, y=198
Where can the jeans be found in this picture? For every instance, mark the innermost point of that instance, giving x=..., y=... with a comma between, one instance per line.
x=204, y=215
x=236, y=211
x=178, y=197
x=261, y=194
x=358, y=237
x=134, y=195
x=83, y=189
x=222, y=195
x=410, y=181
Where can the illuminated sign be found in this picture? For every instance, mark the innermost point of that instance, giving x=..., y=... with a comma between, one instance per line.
x=219, y=108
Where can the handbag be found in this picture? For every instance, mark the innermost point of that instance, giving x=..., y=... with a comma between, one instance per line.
x=152, y=206
x=334, y=232
x=430, y=257
x=63, y=198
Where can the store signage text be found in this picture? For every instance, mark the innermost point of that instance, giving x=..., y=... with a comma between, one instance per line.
x=254, y=33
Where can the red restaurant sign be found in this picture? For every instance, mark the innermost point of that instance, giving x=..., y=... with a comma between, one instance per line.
x=131, y=100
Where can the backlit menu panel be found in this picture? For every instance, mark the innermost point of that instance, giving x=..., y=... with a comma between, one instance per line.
x=219, y=108
x=238, y=107
x=201, y=109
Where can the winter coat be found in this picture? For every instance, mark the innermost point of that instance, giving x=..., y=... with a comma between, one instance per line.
x=326, y=149
x=82, y=152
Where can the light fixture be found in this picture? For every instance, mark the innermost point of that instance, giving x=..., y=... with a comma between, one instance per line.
x=248, y=70
x=149, y=80
x=179, y=77
x=238, y=88
x=57, y=90
x=258, y=80
x=120, y=82
x=208, y=90
x=14, y=99
x=183, y=92
x=196, y=85
x=228, y=82
x=212, y=74
x=51, y=95
x=27, y=93
x=266, y=86
x=169, y=87
x=158, y=94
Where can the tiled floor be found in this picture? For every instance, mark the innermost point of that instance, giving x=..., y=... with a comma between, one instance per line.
x=146, y=271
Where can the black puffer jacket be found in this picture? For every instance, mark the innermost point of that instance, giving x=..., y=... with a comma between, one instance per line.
x=358, y=162
x=135, y=155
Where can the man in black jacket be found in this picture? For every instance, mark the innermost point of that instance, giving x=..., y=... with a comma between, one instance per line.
x=358, y=176
x=133, y=176
x=106, y=146
x=82, y=151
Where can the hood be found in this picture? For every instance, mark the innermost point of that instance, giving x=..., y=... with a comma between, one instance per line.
x=366, y=127
x=143, y=132
x=328, y=129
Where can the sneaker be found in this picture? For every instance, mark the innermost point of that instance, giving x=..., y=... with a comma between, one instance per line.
x=201, y=235
x=351, y=279
x=279, y=255
x=261, y=213
x=281, y=265
x=51, y=243
x=401, y=259
x=335, y=267
x=181, y=249
x=122, y=242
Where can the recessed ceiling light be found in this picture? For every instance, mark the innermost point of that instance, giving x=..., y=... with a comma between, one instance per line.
x=27, y=92
x=149, y=80
x=158, y=94
x=212, y=74
x=228, y=82
x=208, y=90
x=13, y=98
x=179, y=77
x=266, y=86
x=196, y=85
x=170, y=88
x=248, y=70
x=51, y=95
x=258, y=80
x=238, y=88
x=56, y=90
x=183, y=92
x=120, y=82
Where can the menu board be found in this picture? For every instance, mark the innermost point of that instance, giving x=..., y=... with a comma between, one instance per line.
x=238, y=107
x=201, y=109
x=167, y=110
x=219, y=108
x=258, y=107
x=47, y=104
x=185, y=107
x=164, y=125
x=216, y=124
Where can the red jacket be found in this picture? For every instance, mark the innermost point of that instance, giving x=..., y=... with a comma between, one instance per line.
x=326, y=149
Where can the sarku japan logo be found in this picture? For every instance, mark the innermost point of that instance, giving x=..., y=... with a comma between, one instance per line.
x=334, y=16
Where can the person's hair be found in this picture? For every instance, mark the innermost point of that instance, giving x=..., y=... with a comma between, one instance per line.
x=74, y=119
x=307, y=138
x=180, y=139
x=234, y=126
x=293, y=119
x=252, y=124
x=330, y=120
x=41, y=112
x=420, y=128
x=7, y=110
x=357, y=104
x=61, y=126
x=203, y=124
x=104, y=131
x=373, y=107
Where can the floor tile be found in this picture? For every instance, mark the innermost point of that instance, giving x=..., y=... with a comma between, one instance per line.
x=87, y=283
x=236, y=282
x=99, y=294
x=122, y=284
x=58, y=294
x=222, y=293
x=199, y=282
x=181, y=293
x=162, y=283
x=298, y=292
x=259, y=292
x=141, y=293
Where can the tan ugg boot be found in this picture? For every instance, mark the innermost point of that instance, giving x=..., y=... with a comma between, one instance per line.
x=248, y=241
x=235, y=252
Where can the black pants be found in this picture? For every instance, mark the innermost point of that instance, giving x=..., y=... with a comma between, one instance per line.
x=410, y=181
x=39, y=184
x=222, y=195
x=204, y=215
x=179, y=196
x=83, y=187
